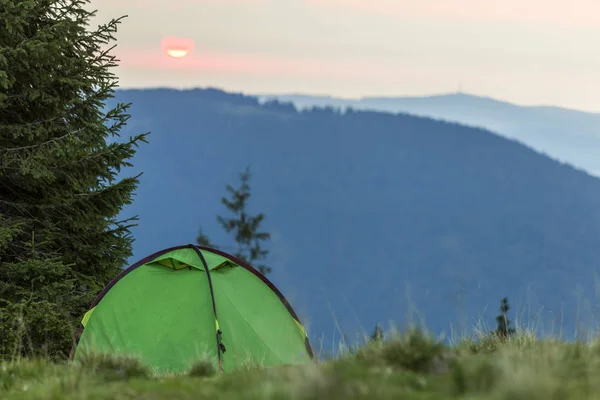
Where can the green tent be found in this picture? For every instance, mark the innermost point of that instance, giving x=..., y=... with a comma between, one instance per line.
x=185, y=303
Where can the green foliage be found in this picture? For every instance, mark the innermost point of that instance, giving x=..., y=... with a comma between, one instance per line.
x=19, y=373
x=38, y=295
x=377, y=334
x=517, y=369
x=202, y=369
x=60, y=239
x=504, y=330
x=114, y=367
x=34, y=328
x=485, y=344
x=244, y=226
x=415, y=351
x=489, y=341
x=478, y=375
x=9, y=229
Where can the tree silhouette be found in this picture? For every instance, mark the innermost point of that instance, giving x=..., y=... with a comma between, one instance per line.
x=203, y=240
x=504, y=330
x=244, y=226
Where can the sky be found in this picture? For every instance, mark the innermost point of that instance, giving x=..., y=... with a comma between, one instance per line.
x=530, y=52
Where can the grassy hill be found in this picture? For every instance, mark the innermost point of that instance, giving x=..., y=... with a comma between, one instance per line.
x=412, y=366
x=374, y=216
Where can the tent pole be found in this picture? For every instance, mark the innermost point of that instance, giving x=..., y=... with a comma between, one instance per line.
x=220, y=346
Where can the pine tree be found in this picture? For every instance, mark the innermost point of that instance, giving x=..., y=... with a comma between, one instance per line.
x=504, y=330
x=377, y=334
x=203, y=240
x=60, y=238
x=244, y=226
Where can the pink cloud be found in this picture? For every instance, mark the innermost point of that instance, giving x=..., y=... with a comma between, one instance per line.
x=245, y=63
x=549, y=11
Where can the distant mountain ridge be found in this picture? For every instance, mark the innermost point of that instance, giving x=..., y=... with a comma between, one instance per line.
x=567, y=135
x=373, y=214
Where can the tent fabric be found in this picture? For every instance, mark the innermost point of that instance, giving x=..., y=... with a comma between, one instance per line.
x=162, y=310
x=182, y=258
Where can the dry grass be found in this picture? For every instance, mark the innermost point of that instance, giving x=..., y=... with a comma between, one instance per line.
x=412, y=365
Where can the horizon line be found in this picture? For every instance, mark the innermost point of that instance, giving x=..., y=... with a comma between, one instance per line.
x=364, y=97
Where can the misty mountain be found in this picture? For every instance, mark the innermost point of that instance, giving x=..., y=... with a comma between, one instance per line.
x=567, y=135
x=374, y=216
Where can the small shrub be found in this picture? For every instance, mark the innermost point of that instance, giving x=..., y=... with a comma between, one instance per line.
x=485, y=345
x=33, y=329
x=202, y=369
x=415, y=351
x=377, y=335
x=12, y=373
x=476, y=374
x=113, y=367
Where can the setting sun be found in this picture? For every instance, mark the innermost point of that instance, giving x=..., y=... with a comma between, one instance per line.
x=176, y=47
x=176, y=53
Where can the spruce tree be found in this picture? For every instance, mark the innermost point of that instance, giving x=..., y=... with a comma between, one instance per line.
x=504, y=330
x=60, y=237
x=203, y=240
x=244, y=226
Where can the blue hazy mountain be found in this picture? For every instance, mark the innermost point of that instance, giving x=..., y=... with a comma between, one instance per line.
x=374, y=216
x=567, y=135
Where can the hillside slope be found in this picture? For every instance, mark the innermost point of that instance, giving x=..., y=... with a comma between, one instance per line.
x=372, y=213
x=566, y=135
x=411, y=367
